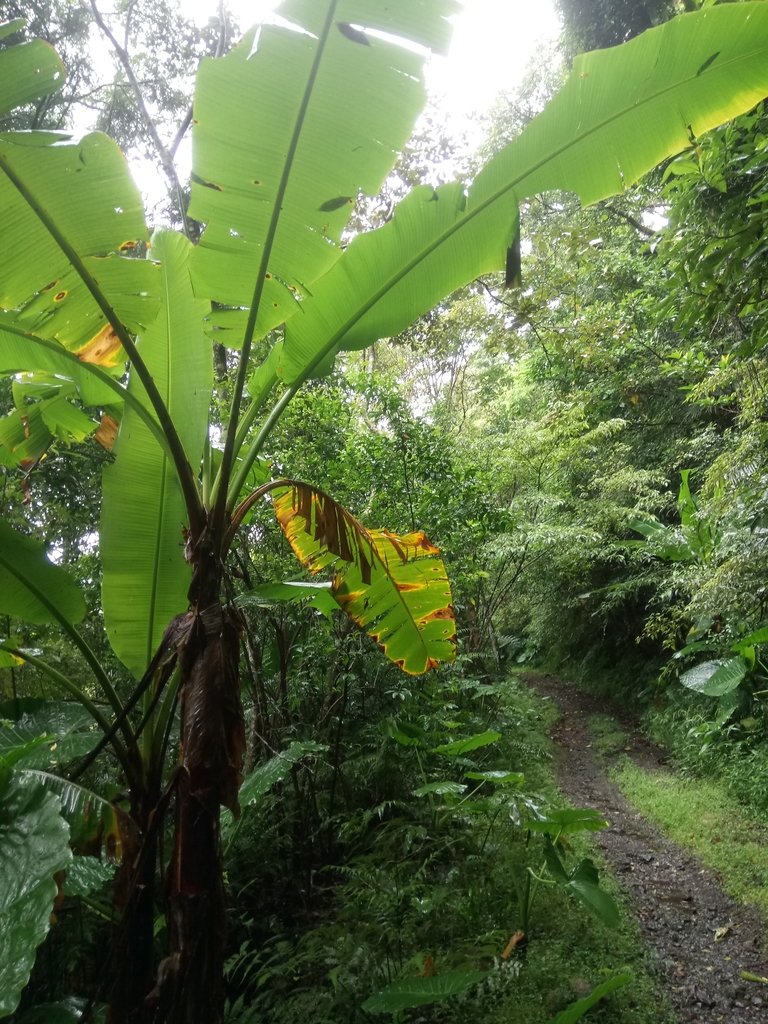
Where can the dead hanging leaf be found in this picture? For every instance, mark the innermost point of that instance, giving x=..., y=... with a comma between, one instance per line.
x=429, y=967
x=517, y=940
x=106, y=434
x=394, y=587
x=103, y=349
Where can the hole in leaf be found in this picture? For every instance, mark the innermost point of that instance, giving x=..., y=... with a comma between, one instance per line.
x=353, y=33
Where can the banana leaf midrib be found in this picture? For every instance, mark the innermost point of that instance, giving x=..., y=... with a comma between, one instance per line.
x=221, y=485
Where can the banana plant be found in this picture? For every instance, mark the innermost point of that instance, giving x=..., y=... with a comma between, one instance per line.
x=289, y=129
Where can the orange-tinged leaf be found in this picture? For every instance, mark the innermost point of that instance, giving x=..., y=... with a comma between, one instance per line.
x=103, y=349
x=107, y=432
x=394, y=587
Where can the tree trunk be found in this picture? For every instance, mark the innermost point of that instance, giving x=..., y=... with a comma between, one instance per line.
x=190, y=979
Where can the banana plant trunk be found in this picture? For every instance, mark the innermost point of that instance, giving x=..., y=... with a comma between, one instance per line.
x=190, y=980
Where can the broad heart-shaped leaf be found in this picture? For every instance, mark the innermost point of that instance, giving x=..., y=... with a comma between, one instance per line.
x=33, y=847
x=715, y=678
x=19, y=745
x=66, y=727
x=394, y=587
x=68, y=1011
x=28, y=71
x=318, y=114
x=31, y=587
x=146, y=577
x=442, y=787
x=620, y=112
x=95, y=824
x=402, y=995
x=584, y=884
x=84, y=192
x=87, y=874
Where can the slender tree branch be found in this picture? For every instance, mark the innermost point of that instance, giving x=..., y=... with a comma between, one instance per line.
x=629, y=219
x=165, y=155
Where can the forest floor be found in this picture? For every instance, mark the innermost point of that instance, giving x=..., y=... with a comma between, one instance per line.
x=701, y=940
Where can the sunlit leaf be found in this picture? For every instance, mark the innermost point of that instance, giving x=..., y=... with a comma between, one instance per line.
x=270, y=204
x=28, y=71
x=145, y=575
x=86, y=192
x=715, y=678
x=619, y=114
x=103, y=349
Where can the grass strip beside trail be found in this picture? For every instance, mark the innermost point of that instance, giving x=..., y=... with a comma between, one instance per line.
x=699, y=814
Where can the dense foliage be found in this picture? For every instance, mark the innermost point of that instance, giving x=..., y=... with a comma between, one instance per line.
x=580, y=430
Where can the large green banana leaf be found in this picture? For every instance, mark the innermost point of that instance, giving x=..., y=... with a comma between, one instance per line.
x=289, y=128
x=33, y=847
x=142, y=547
x=394, y=587
x=620, y=112
x=81, y=194
x=33, y=588
x=28, y=71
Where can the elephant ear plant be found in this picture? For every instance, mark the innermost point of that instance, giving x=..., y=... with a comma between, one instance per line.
x=289, y=129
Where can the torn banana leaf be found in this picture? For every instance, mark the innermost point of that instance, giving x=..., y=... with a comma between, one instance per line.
x=394, y=587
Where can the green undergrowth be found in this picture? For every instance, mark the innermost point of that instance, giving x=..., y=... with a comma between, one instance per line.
x=427, y=886
x=701, y=814
x=735, y=752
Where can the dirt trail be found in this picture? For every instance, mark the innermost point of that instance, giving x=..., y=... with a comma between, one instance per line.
x=679, y=904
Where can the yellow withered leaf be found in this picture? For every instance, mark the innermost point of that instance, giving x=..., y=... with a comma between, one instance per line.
x=103, y=349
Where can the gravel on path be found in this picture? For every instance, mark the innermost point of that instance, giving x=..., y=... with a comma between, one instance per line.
x=700, y=938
